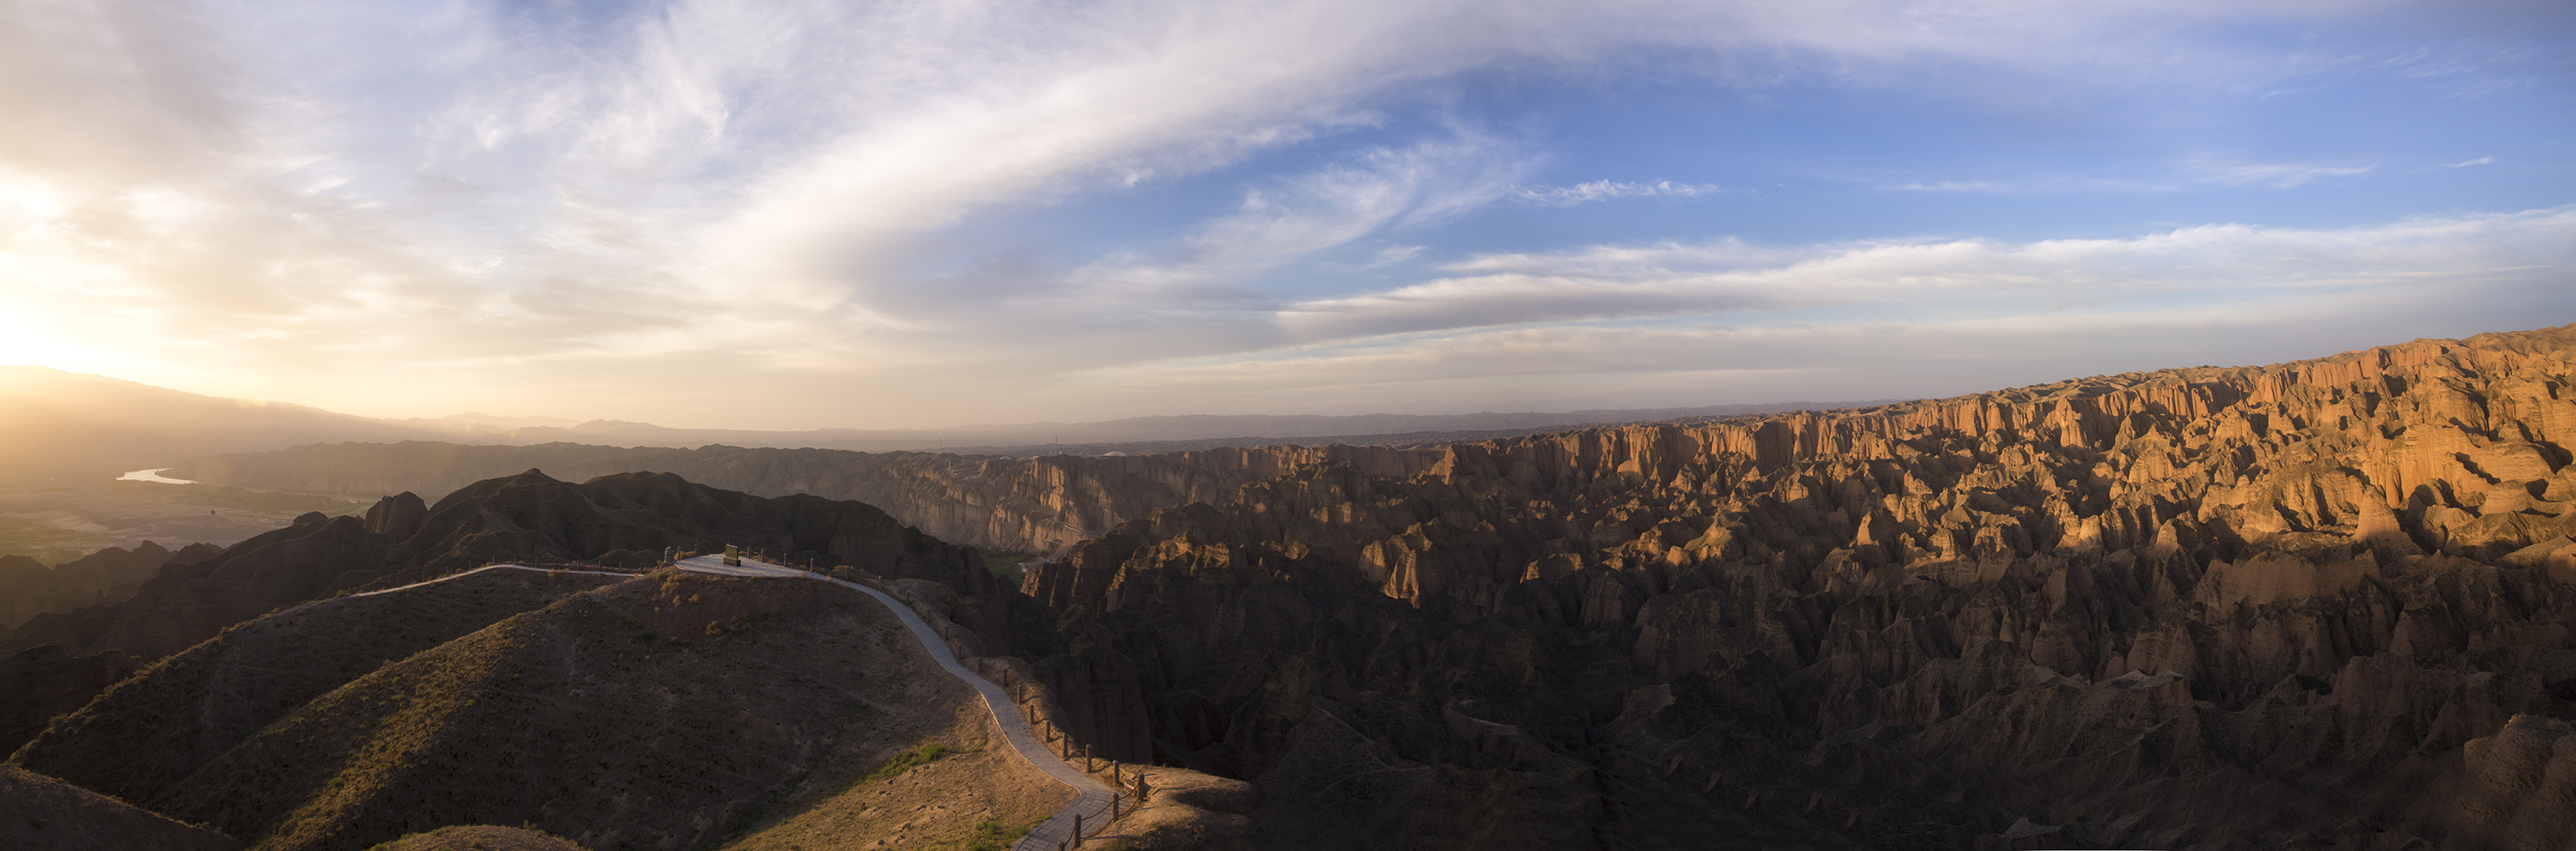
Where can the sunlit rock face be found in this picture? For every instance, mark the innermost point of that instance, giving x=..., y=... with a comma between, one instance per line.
x=2206, y=607
x=1049, y=503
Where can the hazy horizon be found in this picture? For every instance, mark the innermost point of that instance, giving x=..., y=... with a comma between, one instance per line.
x=799, y=215
x=966, y=430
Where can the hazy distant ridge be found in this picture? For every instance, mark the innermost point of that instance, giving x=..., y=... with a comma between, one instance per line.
x=55, y=421
x=1206, y=429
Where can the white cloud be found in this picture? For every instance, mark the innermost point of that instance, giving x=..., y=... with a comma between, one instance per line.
x=2478, y=161
x=1673, y=324
x=2271, y=175
x=2206, y=264
x=397, y=207
x=1394, y=254
x=2177, y=177
x=1603, y=190
x=1198, y=293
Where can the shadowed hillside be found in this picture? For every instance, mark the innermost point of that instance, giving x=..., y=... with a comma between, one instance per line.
x=660, y=712
x=29, y=587
x=40, y=683
x=267, y=667
x=626, y=519
x=41, y=812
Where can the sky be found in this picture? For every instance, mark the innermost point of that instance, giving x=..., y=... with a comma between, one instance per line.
x=792, y=215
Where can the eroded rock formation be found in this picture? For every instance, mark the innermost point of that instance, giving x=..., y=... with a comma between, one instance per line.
x=1040, y=505
x=2209, y=607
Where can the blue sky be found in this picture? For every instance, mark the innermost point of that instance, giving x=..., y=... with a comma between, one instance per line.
x=796, y=215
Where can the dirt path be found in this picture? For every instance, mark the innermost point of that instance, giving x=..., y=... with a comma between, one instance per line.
x=459, y=575
x=1092, y=808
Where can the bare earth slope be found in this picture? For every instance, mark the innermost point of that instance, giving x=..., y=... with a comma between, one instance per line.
x=2209, y=607
x=661, y=712
x=479, y=837
x=41, y=812
x=44, y=682
x=976, y=779
x=143, y=738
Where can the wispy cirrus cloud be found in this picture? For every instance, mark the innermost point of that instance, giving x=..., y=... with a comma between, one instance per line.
x=1620, y=324
x=1604, y=190
x=1302, y=215
x=2194, y=173
x=1953, y=277
x=2270, y=175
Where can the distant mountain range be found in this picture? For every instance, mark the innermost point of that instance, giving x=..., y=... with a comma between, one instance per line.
x=56, y=421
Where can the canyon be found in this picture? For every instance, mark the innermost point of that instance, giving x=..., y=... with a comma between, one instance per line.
x=2319, y=602
x=2328, y=602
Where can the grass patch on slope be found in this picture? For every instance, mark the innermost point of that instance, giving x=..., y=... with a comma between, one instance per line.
x=1004, y=563
x=918, y=755
x=481, y=837
x=997, y=835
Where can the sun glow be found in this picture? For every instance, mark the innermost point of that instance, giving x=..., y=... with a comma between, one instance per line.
x=21, y=343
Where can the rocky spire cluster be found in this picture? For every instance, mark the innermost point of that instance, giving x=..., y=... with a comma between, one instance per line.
x=2152, y=609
